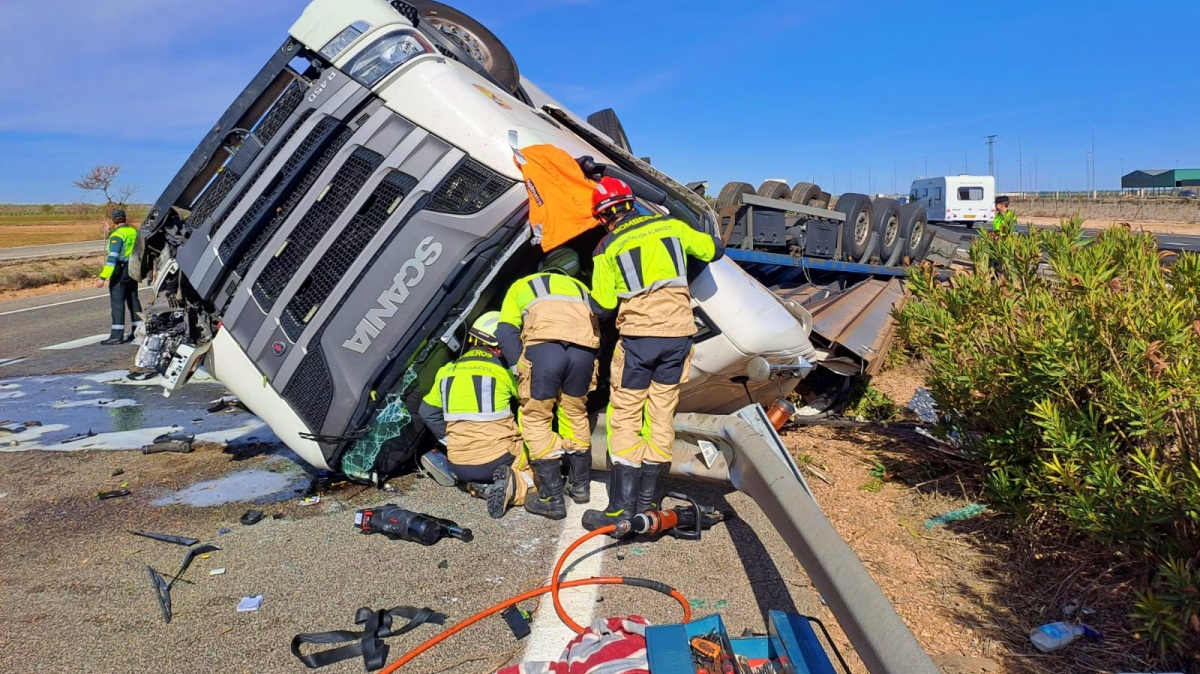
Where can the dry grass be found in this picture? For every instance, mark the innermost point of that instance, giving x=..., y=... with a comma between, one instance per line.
x=37, y=273
x=21, y=228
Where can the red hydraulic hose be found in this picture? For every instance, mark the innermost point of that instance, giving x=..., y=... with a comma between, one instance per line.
x=553, y=588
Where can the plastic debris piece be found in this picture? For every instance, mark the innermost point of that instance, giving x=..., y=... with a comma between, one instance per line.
x=116, y=493
x=32, y=424
x=964, y=513
x=162, y=591
x=310, y=500
x=204, y=556
x=119, y=471
x=222, y=531
x=250, y=603
x=252, y=517
x=167, y=538
x=720, y=604
x=444, y=564
x=81, y=436
x=217, y=571
x=924, y=406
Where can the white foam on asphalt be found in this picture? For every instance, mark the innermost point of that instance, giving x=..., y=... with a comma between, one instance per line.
x=549, y=635
x=76, y=343
x=29, y=439
x=10, y=361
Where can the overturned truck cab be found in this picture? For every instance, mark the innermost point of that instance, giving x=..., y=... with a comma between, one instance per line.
x=358, y=205
x=326, y=245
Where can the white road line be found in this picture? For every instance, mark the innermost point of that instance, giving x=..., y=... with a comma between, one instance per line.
x=10, y=361
x=77, y=343
x=59, y=304
x=549, y=635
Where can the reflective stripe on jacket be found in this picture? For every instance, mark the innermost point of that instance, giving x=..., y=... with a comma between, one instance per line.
x=120, y=247
x=476, y=387
x=548, y=307
x=642, y=265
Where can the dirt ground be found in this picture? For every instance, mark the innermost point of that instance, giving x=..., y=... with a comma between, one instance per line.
x=1169, y=212
x=969, y=588
x=32, y=278
x=1184, y=228
x=18, y=234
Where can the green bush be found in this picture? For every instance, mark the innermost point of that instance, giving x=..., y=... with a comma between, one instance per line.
x=1071, y=369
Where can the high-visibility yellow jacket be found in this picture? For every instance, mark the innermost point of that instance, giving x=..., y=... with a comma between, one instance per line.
x=546, y=307
x=1005, y=223
x=475, y=395
x=120, y=247
x=642, y=265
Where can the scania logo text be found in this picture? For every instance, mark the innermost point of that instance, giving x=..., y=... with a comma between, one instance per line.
x=410, y=274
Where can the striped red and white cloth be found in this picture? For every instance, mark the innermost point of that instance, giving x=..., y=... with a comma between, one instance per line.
x=608, y=646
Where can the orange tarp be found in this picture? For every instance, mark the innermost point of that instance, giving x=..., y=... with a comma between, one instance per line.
x=560, y=196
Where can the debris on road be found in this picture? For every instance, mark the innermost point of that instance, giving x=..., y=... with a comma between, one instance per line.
x=1054, y=636
x=226, y=403
x=377, y=625
x=250, y=603
x=923, y=405
x=116, y=493
x=81, y=436
x=175, y=446
x=119, y=471
x=251, y=517
x=167, y=538
x=217, y=571
x=310, y=500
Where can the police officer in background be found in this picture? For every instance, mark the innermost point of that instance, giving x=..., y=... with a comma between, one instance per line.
x=470, y=411
x=550, y=333
x=122, y=290
x=640, y=270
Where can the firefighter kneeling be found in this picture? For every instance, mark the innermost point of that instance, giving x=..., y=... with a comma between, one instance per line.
x=549, y=331
x=470, y=410
x=642, y=266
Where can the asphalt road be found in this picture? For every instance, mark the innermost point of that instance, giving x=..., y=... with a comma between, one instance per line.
x=313, y=569
x=1176, y=242
x=54, y=250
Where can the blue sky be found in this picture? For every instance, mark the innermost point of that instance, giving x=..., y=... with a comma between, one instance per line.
x=714, y=91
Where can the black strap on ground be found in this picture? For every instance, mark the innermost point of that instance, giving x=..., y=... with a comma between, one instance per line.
x=377, y=625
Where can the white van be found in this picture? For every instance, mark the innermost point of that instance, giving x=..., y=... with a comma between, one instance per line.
x=961, y=199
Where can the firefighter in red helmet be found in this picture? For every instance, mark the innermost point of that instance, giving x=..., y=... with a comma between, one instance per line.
x=640, y=272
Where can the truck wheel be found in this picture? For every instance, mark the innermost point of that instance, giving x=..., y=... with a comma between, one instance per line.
x=732, y=192
x=886, y=223
x=774, y=189
x=914, y=227
x=856, y=230
x=805, y=194
x=607, y=123
x=474, y=39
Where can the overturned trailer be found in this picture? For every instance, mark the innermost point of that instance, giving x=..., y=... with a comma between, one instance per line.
x=325, y=246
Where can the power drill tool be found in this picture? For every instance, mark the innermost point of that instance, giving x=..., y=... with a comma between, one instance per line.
x=397, y=523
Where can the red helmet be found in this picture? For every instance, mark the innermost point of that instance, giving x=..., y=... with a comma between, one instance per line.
x=610, y=192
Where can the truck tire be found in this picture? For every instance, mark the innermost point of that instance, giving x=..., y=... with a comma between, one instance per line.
x=914, y=228
x=886, y=223
x=774, y=189
x=474, y=39
x=806, y=194
x=607, y=123
x=731, y=194
x=856, y=229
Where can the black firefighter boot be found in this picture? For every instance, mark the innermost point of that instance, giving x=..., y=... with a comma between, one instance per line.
x=115, y=337
x=549, y=499
x=579, y=476
x=651, y=490
x=622, y=498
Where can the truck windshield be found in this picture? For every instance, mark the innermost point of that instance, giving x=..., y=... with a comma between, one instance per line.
x=970, y=193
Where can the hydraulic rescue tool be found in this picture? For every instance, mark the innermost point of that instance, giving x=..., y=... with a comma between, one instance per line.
x=397, y=523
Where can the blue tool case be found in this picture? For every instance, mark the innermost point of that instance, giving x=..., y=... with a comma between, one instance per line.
x=790, y=647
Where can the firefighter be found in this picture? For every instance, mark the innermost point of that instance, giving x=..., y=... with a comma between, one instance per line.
x=122, y=290
x=549, y=332
x=470, y=410
x=1005, y=221
x=640, y=270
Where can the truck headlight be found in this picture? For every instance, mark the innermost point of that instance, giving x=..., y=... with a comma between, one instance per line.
x=385, y=55
x=343, y=39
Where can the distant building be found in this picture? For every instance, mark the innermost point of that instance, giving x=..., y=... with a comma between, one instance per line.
x=1161, y=180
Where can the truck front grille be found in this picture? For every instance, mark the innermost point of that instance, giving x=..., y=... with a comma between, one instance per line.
x=469, y=188
x=336, y=261
x=310, y=391
x=281, y=213
x=346, y=183
x=212, y=197
x=286, y=105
